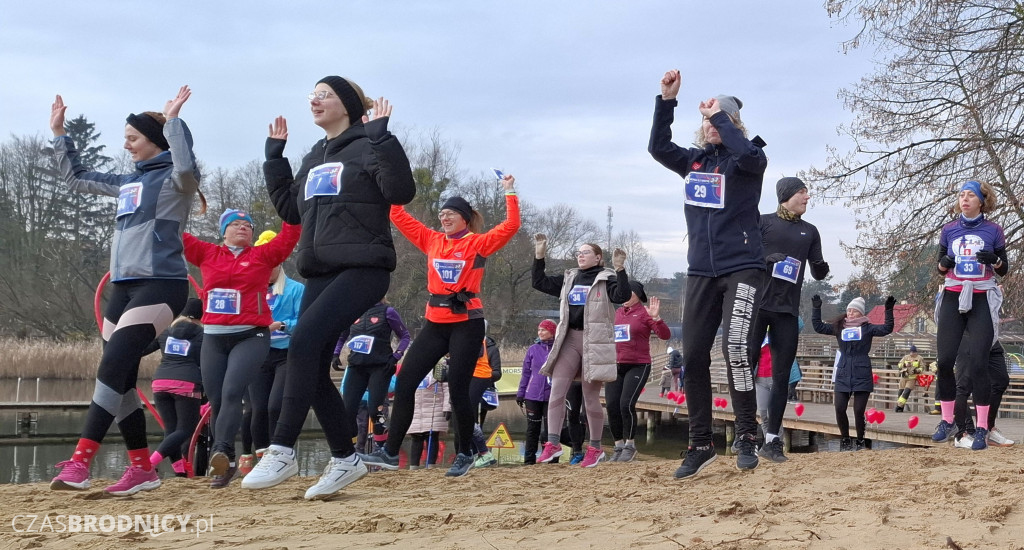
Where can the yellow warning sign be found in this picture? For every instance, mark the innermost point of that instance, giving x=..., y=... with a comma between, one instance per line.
x=500, y=438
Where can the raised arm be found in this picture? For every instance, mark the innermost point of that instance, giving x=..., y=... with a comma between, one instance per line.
x=413, y=229
x=77, y=176
x=660, y=146
x=548, y=284
x=391, y=169
x=501, y=234
x=819, y=326
x=278, y=174
x=185, y=173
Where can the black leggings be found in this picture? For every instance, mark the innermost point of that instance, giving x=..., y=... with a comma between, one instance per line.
x=477, y=387
x=330, y=304
x=358, y=380
x=462, y=342
x=860, y=404
x=621, y=395
x=536, y=412
x=730, y=301
x=574, y=416
x=432, y=439
x=975, y=328
x=135, y=313
x=229, y=362
x=263, y=401
x=181, y=416
x=785, y=333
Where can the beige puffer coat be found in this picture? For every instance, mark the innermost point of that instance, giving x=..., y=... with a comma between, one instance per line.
x=598, y=329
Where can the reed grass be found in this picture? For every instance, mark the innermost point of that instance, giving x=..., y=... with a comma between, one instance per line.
x=61, y=360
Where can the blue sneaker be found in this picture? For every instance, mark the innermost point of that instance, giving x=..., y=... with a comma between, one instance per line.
x=980, y=437
x=944, y=431
x=576, y=458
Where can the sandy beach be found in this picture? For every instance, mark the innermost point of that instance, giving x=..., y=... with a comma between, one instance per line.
x=906, y=498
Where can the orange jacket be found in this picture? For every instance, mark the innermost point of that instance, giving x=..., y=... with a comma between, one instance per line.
x=457, y=265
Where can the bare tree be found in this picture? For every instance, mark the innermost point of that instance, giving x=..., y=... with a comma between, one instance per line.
x=944, y=106
x=640, y=264
x=566, y=230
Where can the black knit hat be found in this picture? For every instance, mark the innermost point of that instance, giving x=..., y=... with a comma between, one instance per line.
x=149, y=127
x=459, y=205
x=787, y=187
x=638, y=289
x=193, y=308
x=348, y=96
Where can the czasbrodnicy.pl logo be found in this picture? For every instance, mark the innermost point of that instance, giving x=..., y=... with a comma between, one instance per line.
x=153, y=525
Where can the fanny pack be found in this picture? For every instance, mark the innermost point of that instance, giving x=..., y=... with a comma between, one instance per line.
x=455, y=302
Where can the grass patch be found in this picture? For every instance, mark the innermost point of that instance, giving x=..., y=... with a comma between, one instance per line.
x=29, y=358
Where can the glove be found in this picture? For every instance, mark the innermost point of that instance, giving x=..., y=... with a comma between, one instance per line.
x=392, y=366
x=377, y=129
x=618, y=259
x=521, y=401
x=947, y=261
x=986, y=257
x=774, y=258
x=890, y=302
x=540, y=246
x=336, y=363
x=816, y=301
x=274, y=148
x=447, y=415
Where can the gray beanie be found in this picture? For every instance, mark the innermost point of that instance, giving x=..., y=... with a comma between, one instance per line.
x=858, y=304
x=730, y=104
x=787, y=187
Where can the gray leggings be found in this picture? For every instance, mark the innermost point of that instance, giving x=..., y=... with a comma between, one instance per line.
x=229, y=362
x=568, y=365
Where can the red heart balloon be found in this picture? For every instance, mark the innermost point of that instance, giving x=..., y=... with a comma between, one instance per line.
x=870, y=416
x=879, y=417
x=874, y=378
x=671, y=396
x=912, y=422
x=681, y=398
x=642, y=390
x=799, y=408
x=725, y=403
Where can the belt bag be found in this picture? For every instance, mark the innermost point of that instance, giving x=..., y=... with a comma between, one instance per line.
x=455, y=302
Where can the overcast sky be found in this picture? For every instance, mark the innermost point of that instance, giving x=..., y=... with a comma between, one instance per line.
x=560, y=94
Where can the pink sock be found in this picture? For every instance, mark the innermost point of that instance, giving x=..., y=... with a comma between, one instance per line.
x=155, y=458
x=947, y=410
x=982, y=415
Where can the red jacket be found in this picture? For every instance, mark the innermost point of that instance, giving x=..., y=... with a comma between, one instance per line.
x=459, y=261
x=637, y=349
x=247, y=274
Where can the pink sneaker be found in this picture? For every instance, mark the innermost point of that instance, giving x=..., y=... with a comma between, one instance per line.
x=135, y=479
x=550, y=452
x=73, y=476
x=593, y=456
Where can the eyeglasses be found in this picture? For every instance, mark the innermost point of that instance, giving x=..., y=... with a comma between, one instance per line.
x=445, y=214
x=583, y=252
x=240, y=223
x=319, y=96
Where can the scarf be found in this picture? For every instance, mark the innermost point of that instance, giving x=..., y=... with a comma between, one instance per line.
x=787, y=215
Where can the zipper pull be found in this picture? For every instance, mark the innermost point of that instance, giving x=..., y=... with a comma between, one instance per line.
x=744, y=237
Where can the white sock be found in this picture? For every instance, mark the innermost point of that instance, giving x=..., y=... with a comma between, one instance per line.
x=768, y=438
x=283, y=450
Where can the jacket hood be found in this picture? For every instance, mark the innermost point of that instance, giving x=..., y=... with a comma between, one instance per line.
x=339, y=142
x=184, y=330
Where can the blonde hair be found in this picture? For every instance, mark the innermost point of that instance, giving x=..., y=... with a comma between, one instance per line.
x=367, y=102
x=700, y=140
x=987, y=205
x=476, y=222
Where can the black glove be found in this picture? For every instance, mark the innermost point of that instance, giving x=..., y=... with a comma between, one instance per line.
x=816, y=301
x=774, y=258
x=947, y=261
x=890, y=302
x=447, y=415
x=376, y=129
x=274, y=148
x=392, y=366
x=336, y=363
x=986, y=257
x=521, y=401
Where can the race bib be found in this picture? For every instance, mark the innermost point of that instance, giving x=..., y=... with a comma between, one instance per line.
x=225, y=301
x=361, y=344
x=449, y=270
x=128, y=199
x=578, y=295
x=272, y=300
x=324, y=180
x=490, y=397
x=621, y=333
x=175, y=346
x=967, y=267
x=787, y=270
x=852, y=334
x=705, y=190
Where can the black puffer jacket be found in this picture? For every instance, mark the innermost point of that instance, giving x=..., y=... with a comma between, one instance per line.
x=350, y=229
x=187, y=339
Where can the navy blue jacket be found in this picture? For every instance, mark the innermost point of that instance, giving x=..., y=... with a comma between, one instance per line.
x=721, y=240
x=853, y=373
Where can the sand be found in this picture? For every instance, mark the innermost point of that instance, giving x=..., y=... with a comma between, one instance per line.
x=905, y=498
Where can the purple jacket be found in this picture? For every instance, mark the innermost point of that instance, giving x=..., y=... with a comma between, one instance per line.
x=533, y=385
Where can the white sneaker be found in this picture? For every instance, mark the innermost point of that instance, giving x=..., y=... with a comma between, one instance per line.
x=339, y=473
x=277, y=465
x=965, y=441
x=997, y=439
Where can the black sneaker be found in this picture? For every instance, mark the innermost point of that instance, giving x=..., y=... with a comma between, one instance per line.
x=773, y=451
x=380, y=458
x=695, y=461
x=845, y=444
x=746, y=452
x=461, y=466
x=860, y=444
